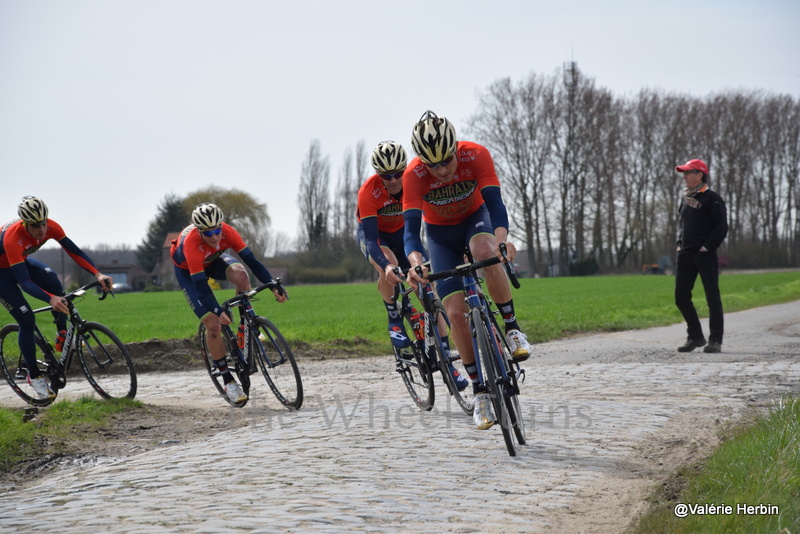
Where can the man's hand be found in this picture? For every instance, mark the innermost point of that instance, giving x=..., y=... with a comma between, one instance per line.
x=511, y=250
x=105, y=281
x=59, y=304
x=391, y=274
x=279, y=295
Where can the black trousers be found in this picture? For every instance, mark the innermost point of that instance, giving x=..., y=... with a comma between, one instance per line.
x=689, y=265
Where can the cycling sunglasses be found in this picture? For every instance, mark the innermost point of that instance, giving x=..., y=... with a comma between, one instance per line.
x=445, y=162
x=212, y=233
x=389, y=177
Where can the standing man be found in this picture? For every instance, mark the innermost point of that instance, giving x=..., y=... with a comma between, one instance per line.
x=703, y=227
x=454, y=187
x=19, y=272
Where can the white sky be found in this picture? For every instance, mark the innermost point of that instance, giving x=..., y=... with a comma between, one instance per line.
x=106, y=106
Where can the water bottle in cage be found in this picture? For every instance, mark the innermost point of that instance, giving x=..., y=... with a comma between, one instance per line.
x=418, y=324
x=240, y=336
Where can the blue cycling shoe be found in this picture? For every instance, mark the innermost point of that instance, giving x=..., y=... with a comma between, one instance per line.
x=398, y=335
x=458, y=378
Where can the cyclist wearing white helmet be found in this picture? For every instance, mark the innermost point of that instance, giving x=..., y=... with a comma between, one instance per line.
x=199, y=254
x=380, y=227
x=453, y=186
x=19, y=272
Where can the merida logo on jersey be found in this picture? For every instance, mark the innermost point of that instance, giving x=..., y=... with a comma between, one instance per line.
x=448, y=194
x=392, y=210
x=30, y=250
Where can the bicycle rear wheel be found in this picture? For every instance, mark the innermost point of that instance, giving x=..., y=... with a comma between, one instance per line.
x=16, y=371
x=446, y=359
x=277, y=363
x=106, y=362
x=493, y=379
x=213, y=372
x=413, y=365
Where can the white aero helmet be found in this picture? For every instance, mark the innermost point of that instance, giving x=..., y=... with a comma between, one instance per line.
x=434, y=138
x=32, y=210
x=207, y=216
x=389, y=157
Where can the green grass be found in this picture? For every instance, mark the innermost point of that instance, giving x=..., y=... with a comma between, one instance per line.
x=62, y=420
x=759, y=465
x=548, y=308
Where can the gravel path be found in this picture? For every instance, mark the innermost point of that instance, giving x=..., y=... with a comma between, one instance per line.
x=608, y=416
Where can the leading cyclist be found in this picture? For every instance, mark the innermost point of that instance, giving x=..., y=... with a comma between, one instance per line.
x=452, y=185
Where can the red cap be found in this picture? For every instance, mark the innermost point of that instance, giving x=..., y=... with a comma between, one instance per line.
x=693, y=165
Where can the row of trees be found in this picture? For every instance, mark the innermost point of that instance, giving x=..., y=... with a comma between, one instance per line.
x=589, y=177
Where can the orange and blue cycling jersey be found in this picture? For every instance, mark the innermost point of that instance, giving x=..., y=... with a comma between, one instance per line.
x=453, y=202
x=474, y=185
x=380, y=221
x=375, y=201
x=196, y=261
x=16, y=244
x=191, y=253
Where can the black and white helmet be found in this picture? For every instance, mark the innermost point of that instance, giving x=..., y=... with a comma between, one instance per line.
x=434, y=138
x=32, y=210
x=207, y=216
x=389, y=157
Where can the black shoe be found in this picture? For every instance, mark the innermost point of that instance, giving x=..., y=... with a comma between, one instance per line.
x=692, y=344
x=713, y=346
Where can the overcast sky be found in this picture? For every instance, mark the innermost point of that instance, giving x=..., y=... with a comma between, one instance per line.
x=106, y=106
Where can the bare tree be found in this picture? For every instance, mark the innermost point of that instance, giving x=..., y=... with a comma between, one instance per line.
x=313, y=199
x=242, y=211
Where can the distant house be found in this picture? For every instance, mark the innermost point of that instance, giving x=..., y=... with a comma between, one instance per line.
x=125, y=273
x=163, y=273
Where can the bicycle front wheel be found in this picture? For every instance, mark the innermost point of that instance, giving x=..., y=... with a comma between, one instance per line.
x=493, y=379
x=15, y=369
x=106, y=362
x=276, y=362
x=414, y=367
x=512, y=386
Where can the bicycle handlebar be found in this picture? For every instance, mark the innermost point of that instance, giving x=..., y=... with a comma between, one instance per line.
x=273, y=284
x=471, y=268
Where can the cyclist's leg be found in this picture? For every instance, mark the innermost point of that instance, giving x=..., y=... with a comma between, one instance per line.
x=446, y=246
x=211, y=321
x=390, y=243
x=21, y=311
x=482, y=245
x=226, y=267
x=46, y=278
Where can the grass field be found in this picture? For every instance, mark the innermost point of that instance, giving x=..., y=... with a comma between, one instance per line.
x=547, y=308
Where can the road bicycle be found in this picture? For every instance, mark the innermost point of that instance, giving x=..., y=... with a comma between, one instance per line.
x=428, y=353
x=496, y=369
x=105, y=361
x=257, y=344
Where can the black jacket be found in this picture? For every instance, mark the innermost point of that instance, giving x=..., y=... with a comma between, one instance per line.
x=704, y=222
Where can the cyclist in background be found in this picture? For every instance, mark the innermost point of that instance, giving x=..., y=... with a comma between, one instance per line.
x=380, y=228
x=453, y=186
x=19, y=272
x=380, y=233
x=199, y=254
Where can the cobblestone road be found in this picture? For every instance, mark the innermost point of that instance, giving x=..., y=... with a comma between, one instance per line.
x=359, y=458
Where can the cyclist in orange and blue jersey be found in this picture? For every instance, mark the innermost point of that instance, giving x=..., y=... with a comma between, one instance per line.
x=199, y=254
x=453, y=186
x=19, y=272
x=380, y=228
